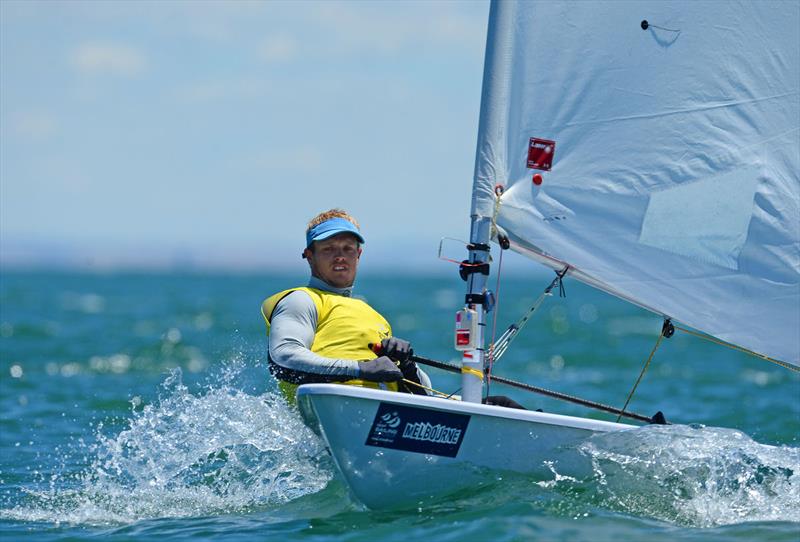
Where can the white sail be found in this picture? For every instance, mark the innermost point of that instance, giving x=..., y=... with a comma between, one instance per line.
x=674, y=182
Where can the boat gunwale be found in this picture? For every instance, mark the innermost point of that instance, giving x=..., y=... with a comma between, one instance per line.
x=461, y=407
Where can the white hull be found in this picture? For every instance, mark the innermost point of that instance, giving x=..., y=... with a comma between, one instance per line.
x=395, y=448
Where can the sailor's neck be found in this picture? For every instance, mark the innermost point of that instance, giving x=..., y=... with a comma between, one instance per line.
x=319, y=284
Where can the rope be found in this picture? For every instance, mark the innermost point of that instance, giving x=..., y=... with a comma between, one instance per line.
x=645, y=25
x=498, y=192
x=542, y=391
x=494, y=323
x=424, y=387
x=644, y=369
x=508, y=335
x=474, y=372
x=499, y=189
x=739, y=348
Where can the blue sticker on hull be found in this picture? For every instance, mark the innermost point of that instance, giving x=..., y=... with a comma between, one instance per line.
x=417, y=430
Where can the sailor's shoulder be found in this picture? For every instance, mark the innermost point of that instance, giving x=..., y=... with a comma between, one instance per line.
x=292, y=298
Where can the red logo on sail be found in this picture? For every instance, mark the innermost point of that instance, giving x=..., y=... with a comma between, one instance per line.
x=540, y=153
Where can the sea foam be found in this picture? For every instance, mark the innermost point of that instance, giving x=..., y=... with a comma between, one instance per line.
x=188, y=454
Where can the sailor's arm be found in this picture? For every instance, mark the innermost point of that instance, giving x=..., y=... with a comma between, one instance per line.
x=292, y=329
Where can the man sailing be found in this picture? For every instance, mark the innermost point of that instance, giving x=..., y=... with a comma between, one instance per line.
x=320, y=333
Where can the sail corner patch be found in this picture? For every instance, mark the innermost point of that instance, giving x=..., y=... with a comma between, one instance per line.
x=540, y=153
x=419, y=430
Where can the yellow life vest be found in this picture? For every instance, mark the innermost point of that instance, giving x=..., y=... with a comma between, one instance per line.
x=345, y=328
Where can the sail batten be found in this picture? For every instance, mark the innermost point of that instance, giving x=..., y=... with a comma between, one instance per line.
x=674, y=183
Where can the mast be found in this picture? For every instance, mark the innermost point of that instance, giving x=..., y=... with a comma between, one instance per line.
x=494, y=100
x=473, y=316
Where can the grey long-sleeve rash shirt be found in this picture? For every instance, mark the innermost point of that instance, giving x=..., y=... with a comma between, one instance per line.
x=292, y=329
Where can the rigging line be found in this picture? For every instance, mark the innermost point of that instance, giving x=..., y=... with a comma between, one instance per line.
x=499, y=189
x=535, y=389
x=646, y=365
x=509, y=334
x=739, y=348
x=664, y=28
x=450, y=396
x=498, y=192
x=494, y=322
x=645, y=25
x=424, y=387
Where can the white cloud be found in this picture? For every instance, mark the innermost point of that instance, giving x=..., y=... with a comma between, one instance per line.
x=278, y=48
x=345, y=30
x=393, y=28
x=34, y=126
x=106, y=58
x=245, y=88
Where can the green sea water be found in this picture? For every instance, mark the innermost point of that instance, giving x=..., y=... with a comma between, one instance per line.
x=139, y=407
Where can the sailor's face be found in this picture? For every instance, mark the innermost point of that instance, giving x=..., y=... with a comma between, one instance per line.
x=335, y=260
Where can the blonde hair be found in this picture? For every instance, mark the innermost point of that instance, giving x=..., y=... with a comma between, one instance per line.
x=332, y=213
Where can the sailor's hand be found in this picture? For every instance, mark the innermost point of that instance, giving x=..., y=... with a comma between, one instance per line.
x=409, y=370
x=380, y=369
x=397, y=349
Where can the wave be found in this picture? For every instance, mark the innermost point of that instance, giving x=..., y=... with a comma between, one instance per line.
x=693, y=476
x=218, y=451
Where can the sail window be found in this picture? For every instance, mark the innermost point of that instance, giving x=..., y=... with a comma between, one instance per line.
x=706, y=220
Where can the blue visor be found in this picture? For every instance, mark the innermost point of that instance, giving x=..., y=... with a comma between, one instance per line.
x=331, y=227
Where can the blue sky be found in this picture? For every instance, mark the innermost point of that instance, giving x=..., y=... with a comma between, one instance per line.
x=155, y=133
